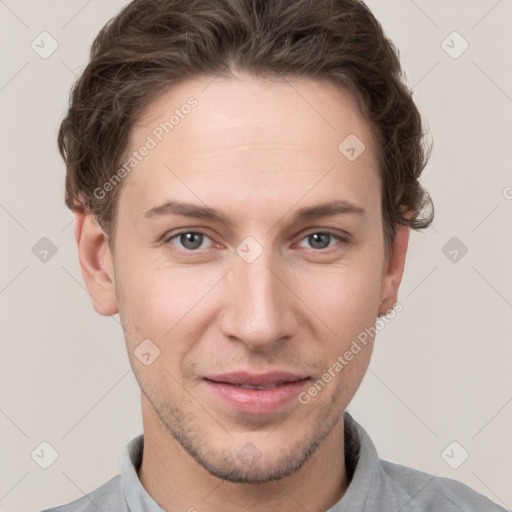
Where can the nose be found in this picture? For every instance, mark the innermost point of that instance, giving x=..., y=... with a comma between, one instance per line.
x=259, y=307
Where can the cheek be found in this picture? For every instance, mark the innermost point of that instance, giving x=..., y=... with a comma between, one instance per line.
x=347, y=302
x=160, y=303
x=346, y=296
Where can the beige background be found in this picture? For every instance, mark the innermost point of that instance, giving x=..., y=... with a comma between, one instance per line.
x=441, y=370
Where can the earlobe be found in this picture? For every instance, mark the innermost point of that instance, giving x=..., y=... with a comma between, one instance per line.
x=96, y=263
x=393, y=271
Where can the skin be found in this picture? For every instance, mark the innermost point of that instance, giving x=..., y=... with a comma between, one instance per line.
x=257, y=150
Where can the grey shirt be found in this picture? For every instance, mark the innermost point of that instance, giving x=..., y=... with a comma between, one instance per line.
x=375, y=485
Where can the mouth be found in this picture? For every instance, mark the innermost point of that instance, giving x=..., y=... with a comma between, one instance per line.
x=250, y=386
x=256, y=393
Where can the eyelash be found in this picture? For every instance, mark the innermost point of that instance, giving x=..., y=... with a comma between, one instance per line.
x=168, y=240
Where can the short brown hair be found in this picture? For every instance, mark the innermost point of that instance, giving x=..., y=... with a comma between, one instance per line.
x=152, y=44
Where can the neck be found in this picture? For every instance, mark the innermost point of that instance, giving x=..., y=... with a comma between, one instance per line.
x=176, y=481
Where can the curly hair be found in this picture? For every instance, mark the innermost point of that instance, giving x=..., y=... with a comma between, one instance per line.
x=152, y=44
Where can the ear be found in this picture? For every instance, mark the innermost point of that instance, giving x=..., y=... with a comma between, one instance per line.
x=96, y=263
x=393, y=269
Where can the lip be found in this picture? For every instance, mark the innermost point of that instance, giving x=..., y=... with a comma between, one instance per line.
x=257, y=379
x=281, y=388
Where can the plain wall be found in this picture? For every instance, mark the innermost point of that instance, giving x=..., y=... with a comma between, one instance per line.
x=441, y=369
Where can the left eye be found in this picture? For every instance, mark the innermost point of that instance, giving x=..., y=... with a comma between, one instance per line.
x=190, y=240
x=320, y=240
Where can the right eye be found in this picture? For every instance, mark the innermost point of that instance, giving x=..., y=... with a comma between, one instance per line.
x=190, y=240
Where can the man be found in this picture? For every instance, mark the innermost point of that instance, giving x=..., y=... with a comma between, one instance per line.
x=244, y=176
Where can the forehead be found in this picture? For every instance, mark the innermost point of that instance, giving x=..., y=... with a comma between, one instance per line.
x=315, y=114
x=210, y=135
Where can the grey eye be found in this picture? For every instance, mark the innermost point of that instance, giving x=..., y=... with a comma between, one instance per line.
x=189, y=240
x=319, y=240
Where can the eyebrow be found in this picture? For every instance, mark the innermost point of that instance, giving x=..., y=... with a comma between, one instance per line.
x=329, y=209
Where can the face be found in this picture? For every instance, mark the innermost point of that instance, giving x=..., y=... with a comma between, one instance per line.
x=249, y=251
